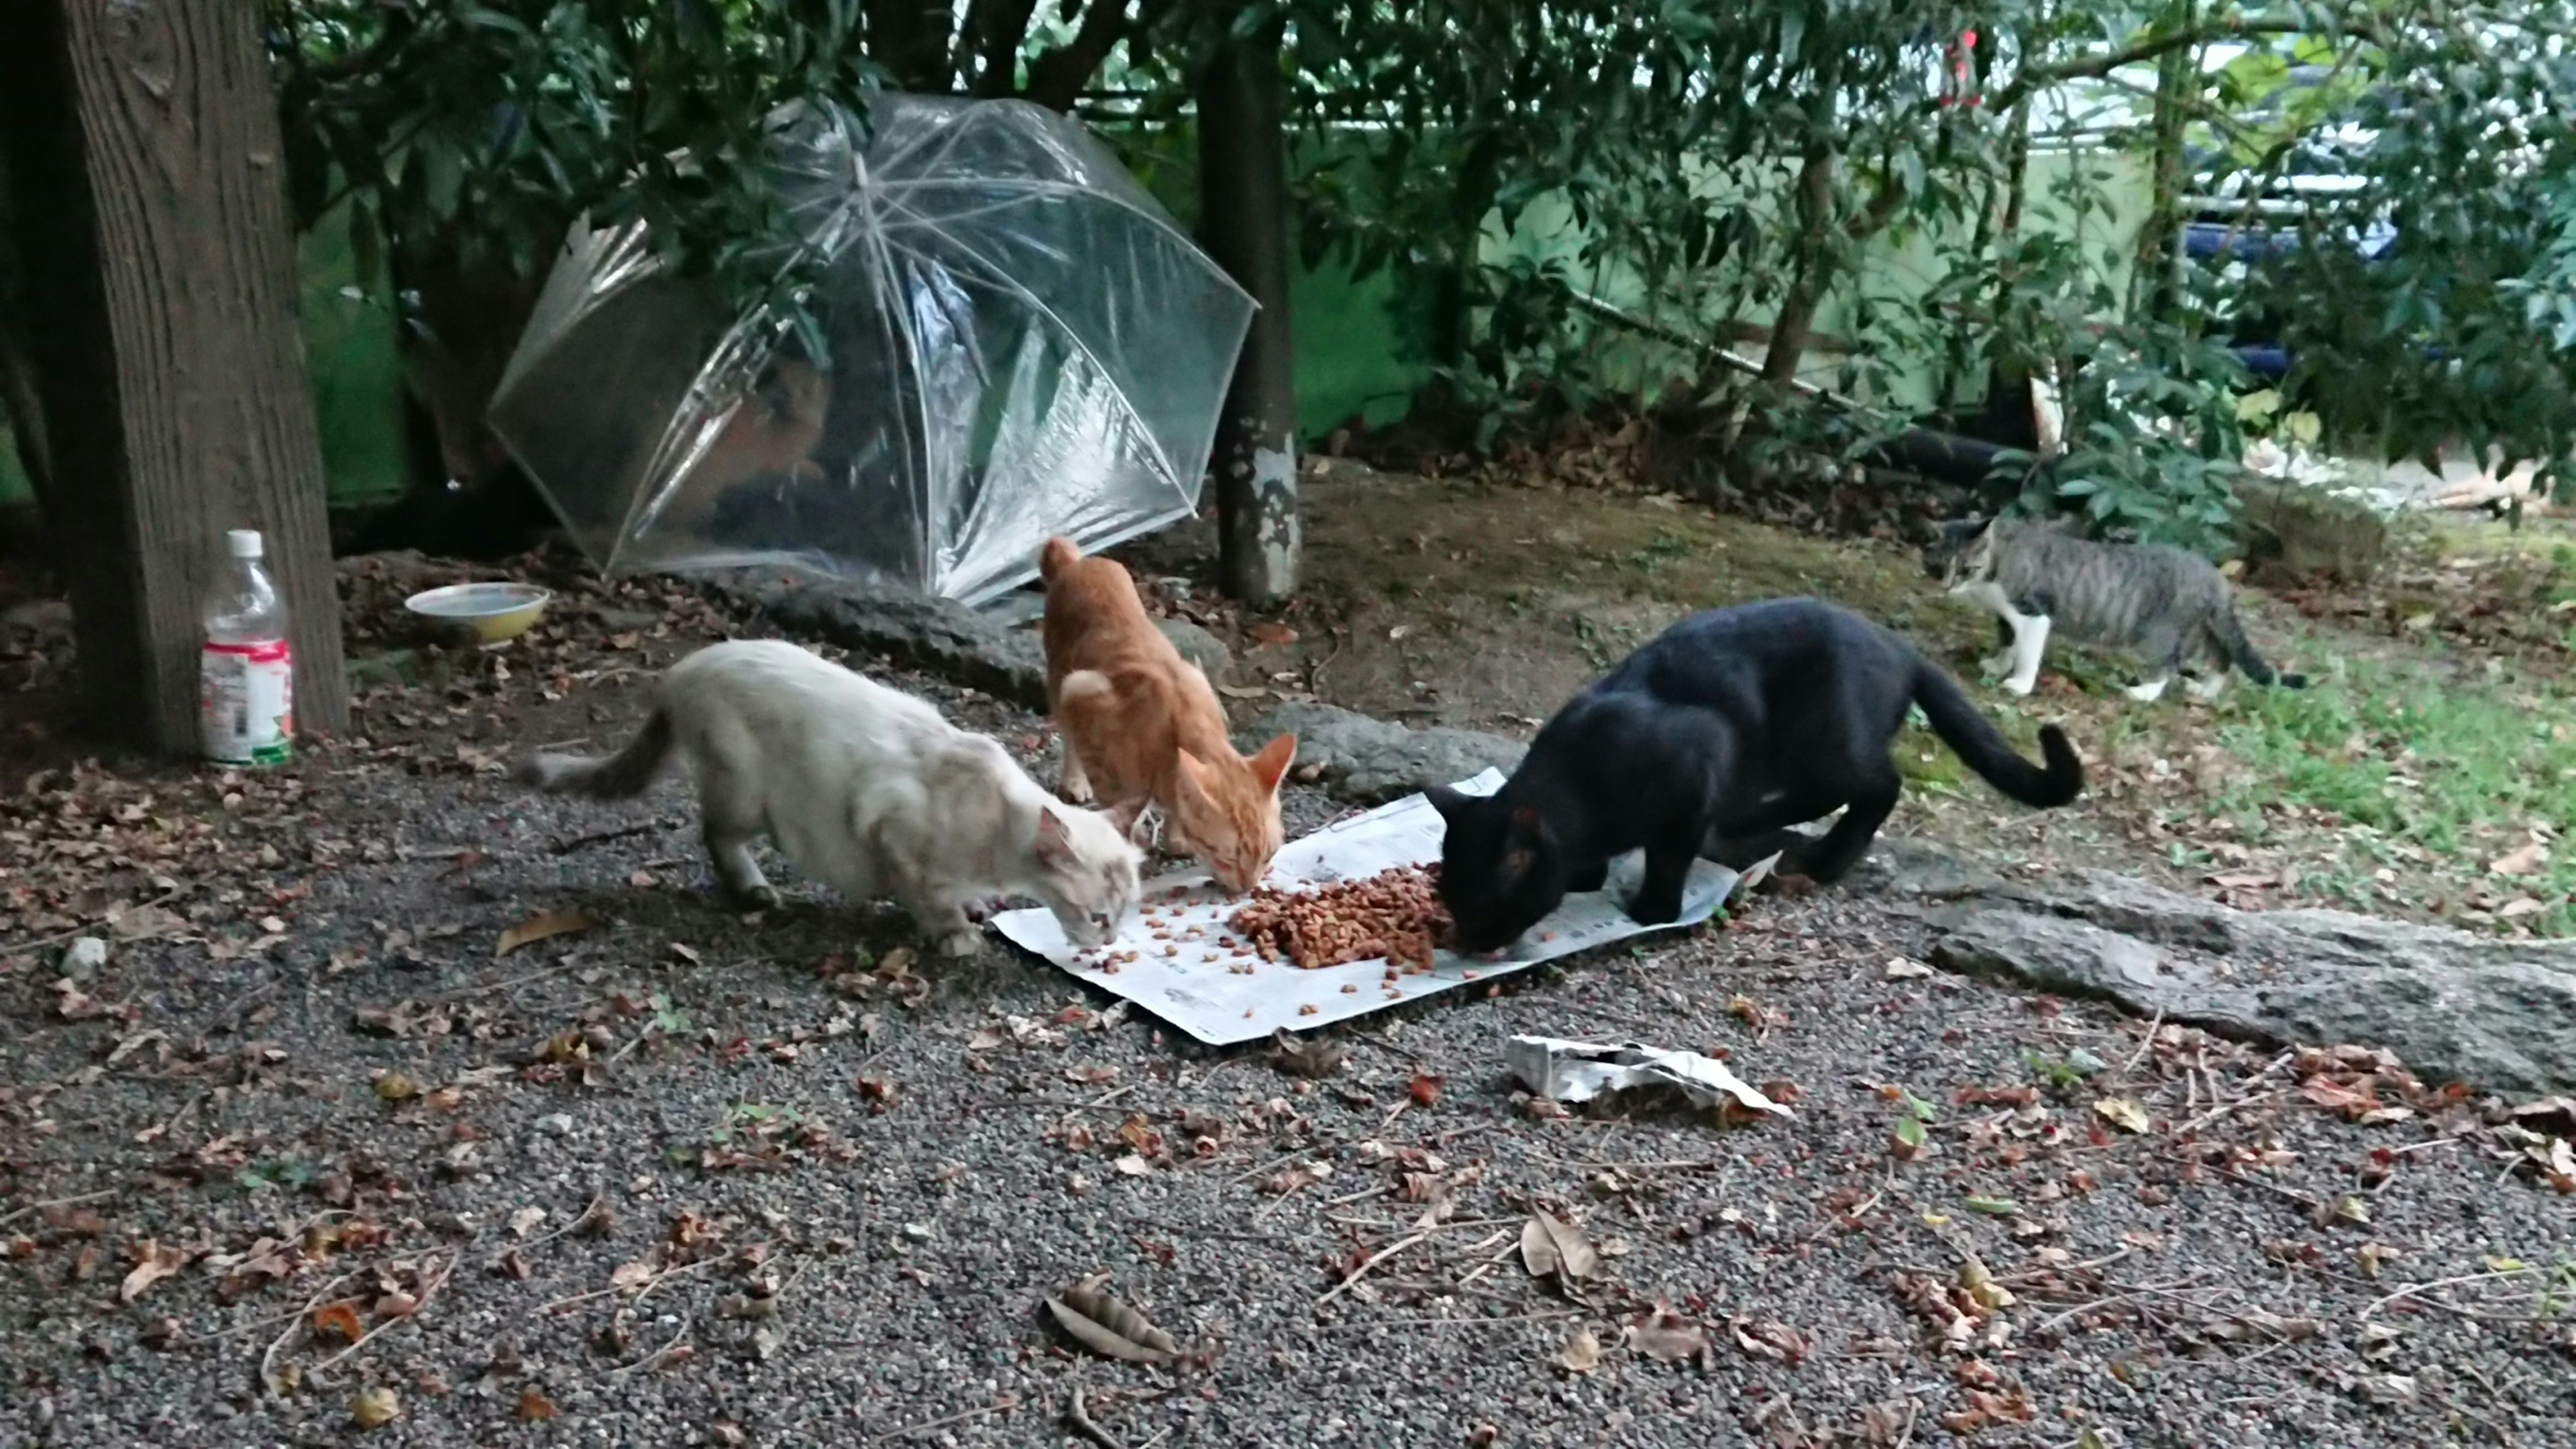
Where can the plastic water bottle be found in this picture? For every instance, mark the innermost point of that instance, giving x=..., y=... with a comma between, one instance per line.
x=246, y=674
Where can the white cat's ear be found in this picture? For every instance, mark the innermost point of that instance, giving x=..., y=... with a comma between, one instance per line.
x=1055, y=842
x=1124, y=817
x=1271, y=765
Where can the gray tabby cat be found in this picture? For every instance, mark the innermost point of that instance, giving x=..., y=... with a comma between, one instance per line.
x=2172, y=608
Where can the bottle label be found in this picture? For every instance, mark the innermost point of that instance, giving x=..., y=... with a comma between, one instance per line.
x=246, y=702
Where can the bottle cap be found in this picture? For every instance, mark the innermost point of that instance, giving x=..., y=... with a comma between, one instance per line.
x=244, y=542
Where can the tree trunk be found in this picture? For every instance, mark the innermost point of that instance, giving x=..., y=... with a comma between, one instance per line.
x=1243, y=221
x=2154, y=290
x=1797, y=319
x=911, y=39
x=144, y=160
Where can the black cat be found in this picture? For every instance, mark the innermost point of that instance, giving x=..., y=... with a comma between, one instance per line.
x=1713, y=739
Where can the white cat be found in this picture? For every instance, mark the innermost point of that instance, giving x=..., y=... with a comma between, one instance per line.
x=866, y=789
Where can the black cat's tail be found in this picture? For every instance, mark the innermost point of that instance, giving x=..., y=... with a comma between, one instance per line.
x=2230, y=635
x=1966, y=730
x=620, y=776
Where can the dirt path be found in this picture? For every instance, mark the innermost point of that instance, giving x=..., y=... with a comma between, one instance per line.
x=678, y=1178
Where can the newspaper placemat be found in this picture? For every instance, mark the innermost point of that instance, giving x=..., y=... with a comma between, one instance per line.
x=1202, y=992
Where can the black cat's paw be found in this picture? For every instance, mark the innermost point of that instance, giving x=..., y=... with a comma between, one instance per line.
x=1655, y=908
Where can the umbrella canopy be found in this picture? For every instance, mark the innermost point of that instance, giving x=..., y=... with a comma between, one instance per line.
x=1020, y=342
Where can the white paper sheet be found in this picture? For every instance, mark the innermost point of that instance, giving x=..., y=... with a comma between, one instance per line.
x=1578, y=1071
x=1196, y=991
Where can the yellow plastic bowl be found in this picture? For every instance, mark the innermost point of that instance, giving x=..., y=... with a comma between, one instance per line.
x=481, y=613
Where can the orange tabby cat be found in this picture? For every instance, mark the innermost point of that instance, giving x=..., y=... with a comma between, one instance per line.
x=1140, y=722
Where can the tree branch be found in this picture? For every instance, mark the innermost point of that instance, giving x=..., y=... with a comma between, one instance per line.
x=1001, y=28
x=1056, y=78
x=2030, y=78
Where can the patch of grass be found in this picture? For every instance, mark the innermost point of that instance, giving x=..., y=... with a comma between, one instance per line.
x=2429, y=780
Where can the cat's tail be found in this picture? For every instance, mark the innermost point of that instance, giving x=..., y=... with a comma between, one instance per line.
x=1058, y=555
x=624, y=775
x=1967, y=731
x=2230, y=635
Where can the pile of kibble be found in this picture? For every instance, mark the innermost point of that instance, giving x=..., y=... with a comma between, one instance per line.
x=1395, y=914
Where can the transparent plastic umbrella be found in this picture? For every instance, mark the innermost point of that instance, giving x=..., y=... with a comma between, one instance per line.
x=1020, y=342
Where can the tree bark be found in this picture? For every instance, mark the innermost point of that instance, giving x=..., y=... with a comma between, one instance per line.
x=144, y=157
x=1243, y=221
x=912, y=39
x=2153, y=290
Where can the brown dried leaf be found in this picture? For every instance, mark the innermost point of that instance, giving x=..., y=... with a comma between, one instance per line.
x=1581, y=1354
x=1099, y=1322
x=1313, y=1057
x=341, y=1320
x=1666, y=1336
x=542, y=926
x=1769, y=1338
x=1425, y=1088
x=1549, y=1246
x=152, y=1263
x=534, y=1407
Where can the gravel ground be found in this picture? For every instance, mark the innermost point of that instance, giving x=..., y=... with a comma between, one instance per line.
x=687, y=1178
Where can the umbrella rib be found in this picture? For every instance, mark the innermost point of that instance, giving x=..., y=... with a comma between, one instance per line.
x=1171, y=472
x=886, y=189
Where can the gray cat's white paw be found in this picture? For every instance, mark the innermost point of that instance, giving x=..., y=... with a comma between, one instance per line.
x=1995, y=666
x=961, y=943
x=2020, y=686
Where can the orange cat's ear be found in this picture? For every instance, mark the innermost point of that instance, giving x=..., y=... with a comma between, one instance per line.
x=1192, y=779
x=1271, y=765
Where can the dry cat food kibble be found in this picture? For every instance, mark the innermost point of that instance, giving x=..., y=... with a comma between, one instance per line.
x=1395, y=914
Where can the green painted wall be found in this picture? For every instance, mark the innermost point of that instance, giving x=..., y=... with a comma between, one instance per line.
x=1349, y=358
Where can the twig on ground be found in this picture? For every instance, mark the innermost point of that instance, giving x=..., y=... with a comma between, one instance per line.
x=2214, y=1113
x=1452, y=1321
x=1001, y=1405
x=2412, y=1289
x=2145, y=1042
x=616, y=1288
x=38, y=943
x=428, y=1291
x=602, y=837
x=1371, y=1261
x=597, y=1203
x=687, y=1325
x=268, y=1356
x=37, y=1207
x=1080, y=1418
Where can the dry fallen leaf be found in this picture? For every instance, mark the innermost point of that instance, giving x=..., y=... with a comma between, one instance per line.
x=2526, y=861
x=1904, y=968
x=395, y=1087
x=1549, y=1246
x=2124, y=1113
x=1581, y=1354
x=1313, y=1057
x=1769, y=1338
x=1099, y=1322
x=375, y=1408
x=534, y=1407
x=542, y=926
x=1425, y=1088
x=152, y=1263
x=341, y=1320
x=1666, y=1336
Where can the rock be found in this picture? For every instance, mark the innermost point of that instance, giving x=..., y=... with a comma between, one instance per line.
x=940, y=636
x=2297, y=531
x=2497, y=1014
x=84, y=958
x=1198, y=646
x=1370, y=761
